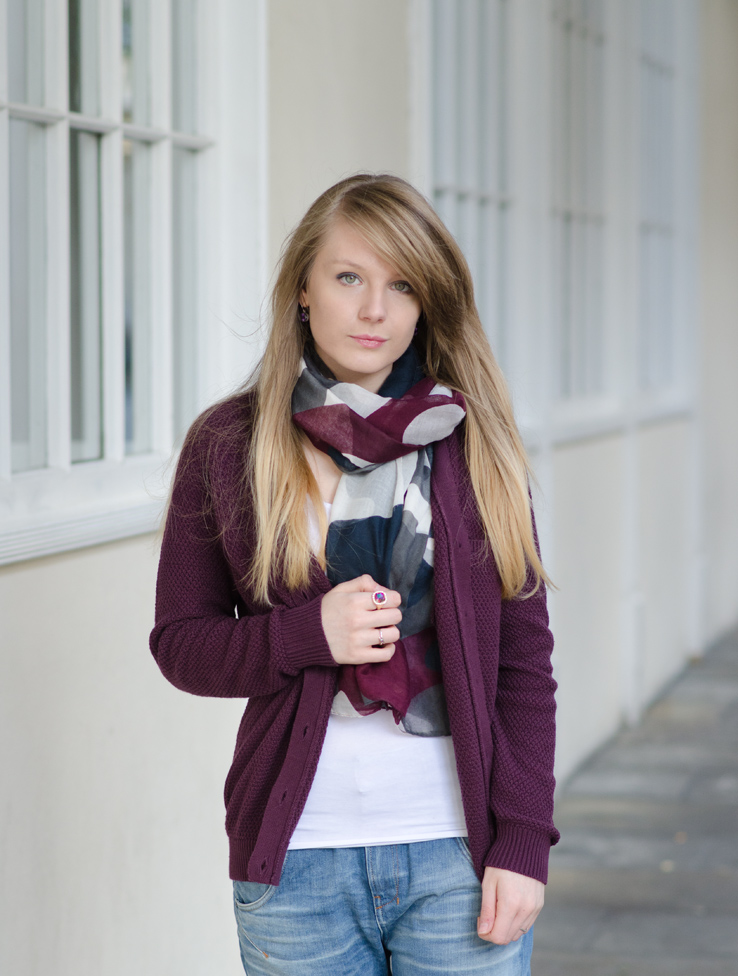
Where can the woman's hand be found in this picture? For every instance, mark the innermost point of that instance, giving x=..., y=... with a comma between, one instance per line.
x=351, y=622
x=510, y=905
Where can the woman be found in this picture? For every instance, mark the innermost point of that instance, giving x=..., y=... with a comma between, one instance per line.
x=350, y=546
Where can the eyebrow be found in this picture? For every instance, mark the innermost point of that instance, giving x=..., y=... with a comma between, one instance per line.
x=347, y=264
x=351, y=264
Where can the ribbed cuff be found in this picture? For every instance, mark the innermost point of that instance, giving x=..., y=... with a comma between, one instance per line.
x=303, y=638
x=520, y=849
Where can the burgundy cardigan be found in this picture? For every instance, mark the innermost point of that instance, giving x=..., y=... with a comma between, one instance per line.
x=212, y=637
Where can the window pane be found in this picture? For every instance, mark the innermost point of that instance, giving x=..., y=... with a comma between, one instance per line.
x=137, y=258
x=184, y=66
x=85, y=324
x=658, y=336
x=28, y=295
x=83, y=56
x=136, y=79
x=26, y=51
x=184, y=299
x=469, y=144
x=578, y=59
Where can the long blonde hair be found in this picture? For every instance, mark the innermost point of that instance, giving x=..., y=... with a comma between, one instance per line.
x=402, y=227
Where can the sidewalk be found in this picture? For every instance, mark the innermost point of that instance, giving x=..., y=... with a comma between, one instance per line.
x=645, y=879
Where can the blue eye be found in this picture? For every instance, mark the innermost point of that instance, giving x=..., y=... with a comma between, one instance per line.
x=346, y=275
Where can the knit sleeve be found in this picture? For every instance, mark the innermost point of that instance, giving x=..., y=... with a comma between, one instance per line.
x=523, y=732
x=198, y=641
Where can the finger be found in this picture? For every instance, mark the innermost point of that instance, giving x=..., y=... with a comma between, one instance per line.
x=511, y=924
x=383, y=618
x=367, y=584
x=389, y=635
x=488, y=911
x=523, y=929
x=377, y=655
x=507, y=928
x=527, y=924
x=360, y=584
x=498, y=922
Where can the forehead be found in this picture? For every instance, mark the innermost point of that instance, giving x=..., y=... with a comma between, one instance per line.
x=343, y=245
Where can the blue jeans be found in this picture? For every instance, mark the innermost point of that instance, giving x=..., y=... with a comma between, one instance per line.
x=349, y=911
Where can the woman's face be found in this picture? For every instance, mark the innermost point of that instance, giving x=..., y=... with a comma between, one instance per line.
x=362, y=313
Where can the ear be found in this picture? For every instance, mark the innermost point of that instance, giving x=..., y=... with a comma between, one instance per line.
x=303, y=297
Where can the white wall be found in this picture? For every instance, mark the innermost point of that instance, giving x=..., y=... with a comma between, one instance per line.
x=114, y=858
x=622, y=563
x=665, y=552
x=588, y=517
x=719, y=310
x=338, y=103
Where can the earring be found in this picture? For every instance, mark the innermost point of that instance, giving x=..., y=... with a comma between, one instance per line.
x=304, y=314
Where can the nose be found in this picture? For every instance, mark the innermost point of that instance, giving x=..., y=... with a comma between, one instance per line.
x=373, y=307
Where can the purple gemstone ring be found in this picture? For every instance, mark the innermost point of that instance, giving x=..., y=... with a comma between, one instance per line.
x=379, y=598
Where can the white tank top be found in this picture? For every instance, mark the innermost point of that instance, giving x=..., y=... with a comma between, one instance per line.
x=376, y=784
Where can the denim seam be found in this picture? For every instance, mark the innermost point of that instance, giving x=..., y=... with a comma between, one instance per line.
x=379, y=915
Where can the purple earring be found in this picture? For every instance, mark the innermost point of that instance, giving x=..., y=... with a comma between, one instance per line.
x=304, y=314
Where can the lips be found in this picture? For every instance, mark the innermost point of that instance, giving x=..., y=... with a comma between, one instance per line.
x=369, y=342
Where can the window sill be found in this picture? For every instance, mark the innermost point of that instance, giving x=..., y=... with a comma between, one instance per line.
x=580, y=421
x=75, y=532
x=52, y=511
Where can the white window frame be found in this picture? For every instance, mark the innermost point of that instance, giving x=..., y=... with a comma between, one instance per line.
x=469, y=188
x=577, y=178
x=65, y=505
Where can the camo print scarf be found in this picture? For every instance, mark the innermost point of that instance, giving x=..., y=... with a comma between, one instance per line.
x=380, y=522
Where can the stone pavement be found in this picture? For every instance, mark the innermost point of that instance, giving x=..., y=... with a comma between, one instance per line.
x=645, y=879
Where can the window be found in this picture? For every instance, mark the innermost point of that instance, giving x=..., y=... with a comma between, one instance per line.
x=28, y=345
x=577, y=211
x=111, y=118
x=470, y=164
x=658, y=338
x=560, y=149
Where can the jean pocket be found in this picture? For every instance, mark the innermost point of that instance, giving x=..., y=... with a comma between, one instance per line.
x=250, y=895
x=463, y=843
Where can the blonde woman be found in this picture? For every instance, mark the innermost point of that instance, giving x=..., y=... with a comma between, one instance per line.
x=349, y=545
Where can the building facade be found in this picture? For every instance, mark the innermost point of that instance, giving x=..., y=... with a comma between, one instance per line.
x=153, y=155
